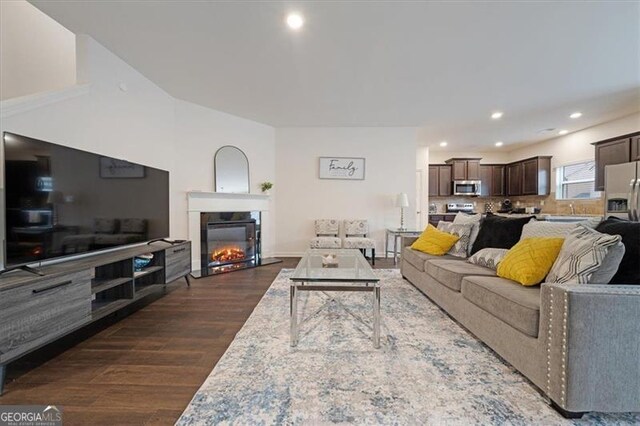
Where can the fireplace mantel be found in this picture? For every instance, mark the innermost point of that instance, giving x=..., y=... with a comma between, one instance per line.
x=221, y=201
x=202, y=202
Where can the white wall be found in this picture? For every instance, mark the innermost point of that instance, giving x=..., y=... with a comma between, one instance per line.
x=576, y=147
x=144, y=124
x=38, y=54
x=302, y=197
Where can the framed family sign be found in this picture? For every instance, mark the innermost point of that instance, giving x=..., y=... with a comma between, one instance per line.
x=350, y=168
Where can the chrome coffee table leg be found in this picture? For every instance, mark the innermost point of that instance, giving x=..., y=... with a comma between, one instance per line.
x=376, y=317
x=293, y=312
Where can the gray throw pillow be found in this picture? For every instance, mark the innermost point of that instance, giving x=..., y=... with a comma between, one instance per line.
x=609, y=266
x=474, y=219
x=461, y=247
x=582, y=254
x=488, y=257
x=545, y=229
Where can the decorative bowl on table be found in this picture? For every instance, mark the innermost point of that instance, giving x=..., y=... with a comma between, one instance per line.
x=142, y=261
x=329, y=261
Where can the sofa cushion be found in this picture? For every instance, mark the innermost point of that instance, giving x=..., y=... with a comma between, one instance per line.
x=325, y=243
x=359, y=243
x=499, y=232
x=506, y=300
x=629, y=269
x=451, y=272
x=417, y=258
x=582, y=254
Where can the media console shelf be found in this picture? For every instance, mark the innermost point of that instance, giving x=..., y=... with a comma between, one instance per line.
x=37, y=310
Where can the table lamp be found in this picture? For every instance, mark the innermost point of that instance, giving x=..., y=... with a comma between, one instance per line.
x=402, y=201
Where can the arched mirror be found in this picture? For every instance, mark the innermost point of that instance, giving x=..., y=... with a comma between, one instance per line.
x=231, y=170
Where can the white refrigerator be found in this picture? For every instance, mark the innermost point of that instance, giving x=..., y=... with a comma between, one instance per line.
x=622, y=191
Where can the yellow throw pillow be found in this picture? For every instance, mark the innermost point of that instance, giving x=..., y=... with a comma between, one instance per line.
x=530, y=260
x=433, y=241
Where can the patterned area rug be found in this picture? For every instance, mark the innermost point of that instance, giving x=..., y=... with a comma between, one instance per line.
x=428, y=370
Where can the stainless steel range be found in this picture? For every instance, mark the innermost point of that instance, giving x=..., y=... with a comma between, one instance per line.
x=460, y=207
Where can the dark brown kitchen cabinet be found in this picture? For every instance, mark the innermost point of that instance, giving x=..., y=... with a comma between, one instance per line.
x=465, y=168
x=491, y=180
x=536, y=176
x=433, y=181
x=440, y=180
x=531, y=176
x=444, y=181
x=622, y=149
x=635, y=148
x=514, y=179
x=486, y=179
x=473, y=170
x=459, y=168
x=497, y=181
x=611, y=152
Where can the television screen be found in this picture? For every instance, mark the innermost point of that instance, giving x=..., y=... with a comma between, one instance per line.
x=61, y=201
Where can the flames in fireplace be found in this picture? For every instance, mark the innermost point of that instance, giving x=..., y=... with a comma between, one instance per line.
x=227, y=255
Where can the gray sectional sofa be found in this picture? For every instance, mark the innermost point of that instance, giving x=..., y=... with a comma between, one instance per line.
x=579, y=344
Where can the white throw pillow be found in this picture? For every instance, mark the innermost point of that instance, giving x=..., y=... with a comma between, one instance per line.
x=461, y=247
x=474, y=219
x=581, y=255
x=488, y=257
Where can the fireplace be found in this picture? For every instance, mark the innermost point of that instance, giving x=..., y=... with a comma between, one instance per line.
x=229, y=241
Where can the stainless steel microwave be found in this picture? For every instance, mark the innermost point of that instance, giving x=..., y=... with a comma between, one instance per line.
x=466, y=187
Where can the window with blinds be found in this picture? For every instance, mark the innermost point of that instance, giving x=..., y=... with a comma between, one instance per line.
x=576, y=181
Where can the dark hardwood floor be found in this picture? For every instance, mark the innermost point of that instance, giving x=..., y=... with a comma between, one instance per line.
x=145, y=368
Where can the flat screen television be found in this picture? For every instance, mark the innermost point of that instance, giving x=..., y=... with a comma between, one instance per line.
x=61, y=201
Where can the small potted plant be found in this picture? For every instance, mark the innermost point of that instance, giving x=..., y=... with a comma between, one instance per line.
x=265, y=187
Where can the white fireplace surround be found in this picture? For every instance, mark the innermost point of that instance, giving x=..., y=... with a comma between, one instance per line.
x=199, y=202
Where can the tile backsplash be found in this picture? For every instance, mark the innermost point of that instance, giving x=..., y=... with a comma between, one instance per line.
x=548, y=204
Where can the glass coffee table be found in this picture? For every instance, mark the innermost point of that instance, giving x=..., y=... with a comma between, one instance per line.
x=349, y=271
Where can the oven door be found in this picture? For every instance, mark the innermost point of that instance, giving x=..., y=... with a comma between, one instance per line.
x=466, y=187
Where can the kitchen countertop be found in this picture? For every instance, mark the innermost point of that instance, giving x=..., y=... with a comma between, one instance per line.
x=540, y=215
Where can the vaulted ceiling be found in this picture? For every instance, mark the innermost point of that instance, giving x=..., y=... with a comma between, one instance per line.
x=444, y=67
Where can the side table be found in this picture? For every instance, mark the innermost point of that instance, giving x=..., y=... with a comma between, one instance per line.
x=397, y=234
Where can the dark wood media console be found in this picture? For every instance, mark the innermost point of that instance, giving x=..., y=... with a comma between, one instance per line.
x=37, y=310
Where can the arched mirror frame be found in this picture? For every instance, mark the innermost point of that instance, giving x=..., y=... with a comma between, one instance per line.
x=216, y=179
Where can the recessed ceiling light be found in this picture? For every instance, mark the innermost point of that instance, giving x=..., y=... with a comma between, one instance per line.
x=443, y=143
x=295, y=21
x=576, y=114
x=563, y=132
x=497, y=115
x=499, y=143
